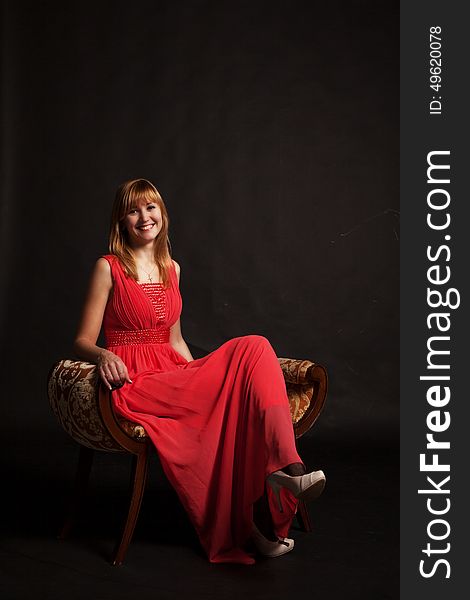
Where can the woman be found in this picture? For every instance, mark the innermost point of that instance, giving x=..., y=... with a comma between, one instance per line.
x=221, y=424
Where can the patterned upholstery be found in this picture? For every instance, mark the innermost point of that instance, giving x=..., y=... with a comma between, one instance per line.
x=306, y=384
x=73, y=388
x=73, y=395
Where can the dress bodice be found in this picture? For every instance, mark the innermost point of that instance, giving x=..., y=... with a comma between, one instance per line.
x=140, y=313
x=156, y=293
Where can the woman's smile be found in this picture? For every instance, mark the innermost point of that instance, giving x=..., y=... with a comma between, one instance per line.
x=143, y=222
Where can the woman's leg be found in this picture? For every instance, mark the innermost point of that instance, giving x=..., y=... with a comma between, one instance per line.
x=261, y=512
x=263, y=519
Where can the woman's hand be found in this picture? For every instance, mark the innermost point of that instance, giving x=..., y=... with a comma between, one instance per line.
x=112, y=370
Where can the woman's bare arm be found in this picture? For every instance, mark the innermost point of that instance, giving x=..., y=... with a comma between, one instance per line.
x=112, y=370
x=176, y=338
x=177, y=342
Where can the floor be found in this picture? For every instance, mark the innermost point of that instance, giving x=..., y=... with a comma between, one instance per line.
x=352, y=553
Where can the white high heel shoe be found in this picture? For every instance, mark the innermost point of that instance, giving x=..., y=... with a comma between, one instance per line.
x=304, y=487
x=267, y=547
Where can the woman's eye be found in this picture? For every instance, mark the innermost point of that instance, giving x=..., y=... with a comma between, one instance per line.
x=150, y=207
x=132, y=211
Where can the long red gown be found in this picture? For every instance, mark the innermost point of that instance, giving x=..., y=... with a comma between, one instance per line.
x=221, y=424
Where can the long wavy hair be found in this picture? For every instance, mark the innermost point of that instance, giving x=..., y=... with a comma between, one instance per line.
x=128, y=195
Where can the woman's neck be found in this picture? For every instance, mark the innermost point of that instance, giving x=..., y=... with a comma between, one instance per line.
x=144, y=255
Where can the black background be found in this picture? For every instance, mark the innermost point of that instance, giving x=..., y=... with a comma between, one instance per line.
x=271, y=131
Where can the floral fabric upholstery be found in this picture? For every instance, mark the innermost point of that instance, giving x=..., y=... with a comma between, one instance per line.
x=300, y=377
x=73, y=395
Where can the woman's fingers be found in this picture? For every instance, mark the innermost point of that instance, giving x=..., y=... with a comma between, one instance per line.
x=104, y=378
x=113, y=371
x=109, y=374
x=115, y=374
x=122, y=374
x=126, y=375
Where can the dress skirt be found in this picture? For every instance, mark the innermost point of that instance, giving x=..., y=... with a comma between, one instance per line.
x=220, y=424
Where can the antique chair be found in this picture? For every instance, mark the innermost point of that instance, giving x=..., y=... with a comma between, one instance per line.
x=84, y=408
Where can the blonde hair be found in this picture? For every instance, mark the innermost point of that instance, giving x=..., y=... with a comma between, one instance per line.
x=128, y=195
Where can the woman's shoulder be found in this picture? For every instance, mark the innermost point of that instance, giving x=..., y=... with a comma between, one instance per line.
x=104, y=265
x=102, y=273
x=109, y=258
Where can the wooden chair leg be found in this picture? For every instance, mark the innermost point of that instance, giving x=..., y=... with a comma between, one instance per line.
x=139, y=476
x=303, y=516
x=85, y=460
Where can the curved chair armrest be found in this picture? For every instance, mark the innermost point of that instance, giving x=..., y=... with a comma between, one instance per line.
x=307, y=387
x=132, y=441
x=85, y=410
x=301, y=371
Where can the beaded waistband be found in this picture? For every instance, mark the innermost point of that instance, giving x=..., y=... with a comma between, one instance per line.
x=135, y=337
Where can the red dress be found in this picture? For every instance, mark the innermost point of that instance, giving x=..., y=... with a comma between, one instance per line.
x=221, y=424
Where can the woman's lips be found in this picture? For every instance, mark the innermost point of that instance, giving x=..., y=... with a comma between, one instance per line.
x=146, y=227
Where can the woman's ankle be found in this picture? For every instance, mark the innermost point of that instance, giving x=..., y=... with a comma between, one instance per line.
x=295, y=469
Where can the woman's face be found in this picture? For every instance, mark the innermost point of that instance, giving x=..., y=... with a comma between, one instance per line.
x=143, y=223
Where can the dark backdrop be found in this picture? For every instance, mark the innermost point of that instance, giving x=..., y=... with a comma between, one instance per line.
x=271, y=130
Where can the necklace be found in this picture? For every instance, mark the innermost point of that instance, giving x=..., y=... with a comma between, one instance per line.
x=149, y=273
